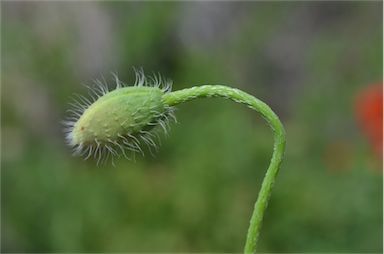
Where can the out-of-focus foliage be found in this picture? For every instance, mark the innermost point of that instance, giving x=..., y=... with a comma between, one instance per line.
x=308, y=60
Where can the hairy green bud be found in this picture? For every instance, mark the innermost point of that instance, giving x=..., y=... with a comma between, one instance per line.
x=120, y=119
x=124, y=111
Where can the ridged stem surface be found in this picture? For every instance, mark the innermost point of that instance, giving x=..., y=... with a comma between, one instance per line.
x=236, y=95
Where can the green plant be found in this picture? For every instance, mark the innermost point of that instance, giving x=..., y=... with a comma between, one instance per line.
x=119, y=120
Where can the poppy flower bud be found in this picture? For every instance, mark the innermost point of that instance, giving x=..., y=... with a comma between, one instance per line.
x=120, y=119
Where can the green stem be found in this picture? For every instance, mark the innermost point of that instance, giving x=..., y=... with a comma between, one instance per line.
x=239, y=96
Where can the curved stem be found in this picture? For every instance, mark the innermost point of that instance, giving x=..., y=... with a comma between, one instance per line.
x=239, y=96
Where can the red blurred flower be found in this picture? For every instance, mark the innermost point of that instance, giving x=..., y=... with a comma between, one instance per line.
x=369, y=111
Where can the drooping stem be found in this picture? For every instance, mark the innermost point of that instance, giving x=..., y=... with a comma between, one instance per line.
x=239, y=96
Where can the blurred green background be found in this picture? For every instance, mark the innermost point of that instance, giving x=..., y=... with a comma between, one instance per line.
x=307, y=60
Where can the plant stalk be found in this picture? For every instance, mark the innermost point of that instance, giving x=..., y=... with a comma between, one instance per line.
x=236, y=95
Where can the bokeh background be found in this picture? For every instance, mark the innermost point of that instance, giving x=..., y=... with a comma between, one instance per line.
x=311, y=61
